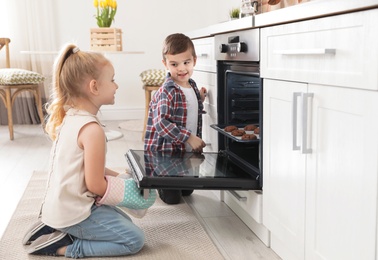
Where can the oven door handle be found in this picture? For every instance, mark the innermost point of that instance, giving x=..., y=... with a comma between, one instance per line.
x=295, y=120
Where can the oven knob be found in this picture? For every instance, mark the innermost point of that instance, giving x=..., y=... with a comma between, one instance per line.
x=223, y=48
x=242, y=47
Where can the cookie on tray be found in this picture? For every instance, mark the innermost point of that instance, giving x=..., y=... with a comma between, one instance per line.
x=249, y=137
x=250, y=127
x=230, y=128
x=238, y=132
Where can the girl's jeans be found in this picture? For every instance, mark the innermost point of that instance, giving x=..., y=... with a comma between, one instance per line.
x=108, y=231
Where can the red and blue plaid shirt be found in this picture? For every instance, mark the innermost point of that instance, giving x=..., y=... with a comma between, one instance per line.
x=166, y=126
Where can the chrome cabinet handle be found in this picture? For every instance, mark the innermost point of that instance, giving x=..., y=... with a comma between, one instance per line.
x=237, y=196
x=319, y=51
x=204, y=55
x=295, y=119
x=305, y=108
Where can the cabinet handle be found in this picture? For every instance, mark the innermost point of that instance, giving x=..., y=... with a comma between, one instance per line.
x=204, y=55
x=319, y=51
x=237, y=196
x=295, y=119
x=305, y=96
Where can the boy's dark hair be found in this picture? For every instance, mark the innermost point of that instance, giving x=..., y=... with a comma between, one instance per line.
x=178, y=43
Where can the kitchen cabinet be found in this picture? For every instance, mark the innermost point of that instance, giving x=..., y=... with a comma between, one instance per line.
x=205, y=76
x=320, y=175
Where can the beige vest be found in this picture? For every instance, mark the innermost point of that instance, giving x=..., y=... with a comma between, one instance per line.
x=67, y=200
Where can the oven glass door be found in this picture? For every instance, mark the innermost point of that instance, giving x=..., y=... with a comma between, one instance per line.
x=210, y=171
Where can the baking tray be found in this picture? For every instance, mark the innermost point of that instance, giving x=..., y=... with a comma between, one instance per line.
x=220, y=129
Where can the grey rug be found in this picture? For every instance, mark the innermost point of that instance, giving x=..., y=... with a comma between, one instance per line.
x=172, y=231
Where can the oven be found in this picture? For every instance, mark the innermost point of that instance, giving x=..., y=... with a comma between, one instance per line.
x=237, y=163
x=240, y=98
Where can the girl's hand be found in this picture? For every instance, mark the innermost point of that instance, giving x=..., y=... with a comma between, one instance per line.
x=203, y=93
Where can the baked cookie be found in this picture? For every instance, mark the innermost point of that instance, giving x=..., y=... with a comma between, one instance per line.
x=230, y=128
x=249, y=137
x=256, y=131
x=238, y=132
x=250, y=127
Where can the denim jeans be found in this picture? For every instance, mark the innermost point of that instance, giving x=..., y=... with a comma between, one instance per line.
x=108, y=231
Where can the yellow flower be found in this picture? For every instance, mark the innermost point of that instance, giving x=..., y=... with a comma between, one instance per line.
x=106, y=10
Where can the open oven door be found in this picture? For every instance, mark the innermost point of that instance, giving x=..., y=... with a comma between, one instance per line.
x=207, y=171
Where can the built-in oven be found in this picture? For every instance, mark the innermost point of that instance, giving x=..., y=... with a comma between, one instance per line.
x=237, y=164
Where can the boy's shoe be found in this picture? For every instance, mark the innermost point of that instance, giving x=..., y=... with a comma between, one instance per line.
x=35, y=231
x=186, y=192
x=170, y=196
x=49, y=244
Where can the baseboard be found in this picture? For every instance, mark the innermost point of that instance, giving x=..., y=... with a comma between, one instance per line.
x=114, y=113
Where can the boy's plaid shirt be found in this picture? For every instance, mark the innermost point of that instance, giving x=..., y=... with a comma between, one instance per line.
x=167, y=115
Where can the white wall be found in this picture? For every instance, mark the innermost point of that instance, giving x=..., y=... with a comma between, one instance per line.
x=145, y=24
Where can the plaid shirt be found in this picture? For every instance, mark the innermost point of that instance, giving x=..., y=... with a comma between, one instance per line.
x=166, y=126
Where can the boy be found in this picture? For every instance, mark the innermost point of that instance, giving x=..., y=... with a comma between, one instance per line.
x=175, y=114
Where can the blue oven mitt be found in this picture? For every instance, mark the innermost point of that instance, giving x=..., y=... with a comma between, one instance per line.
x=125, y=193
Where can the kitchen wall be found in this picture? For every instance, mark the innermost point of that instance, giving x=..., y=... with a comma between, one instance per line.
x=145, y=24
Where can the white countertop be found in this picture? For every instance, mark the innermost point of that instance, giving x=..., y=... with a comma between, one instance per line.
x=307, y=10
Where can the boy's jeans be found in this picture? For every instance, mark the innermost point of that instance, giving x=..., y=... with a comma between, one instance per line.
x=106, y=232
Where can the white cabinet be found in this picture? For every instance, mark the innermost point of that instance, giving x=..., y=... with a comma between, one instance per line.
x=205, y=76
x=321, y=204
x=320, y=201
x=339, y=50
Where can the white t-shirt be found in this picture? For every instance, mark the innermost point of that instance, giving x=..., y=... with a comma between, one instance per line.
x=192, y=113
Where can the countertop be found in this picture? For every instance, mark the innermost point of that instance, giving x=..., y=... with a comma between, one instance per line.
x=299, y=12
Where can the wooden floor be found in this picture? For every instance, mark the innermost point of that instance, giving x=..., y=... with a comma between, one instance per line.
x=30, y=150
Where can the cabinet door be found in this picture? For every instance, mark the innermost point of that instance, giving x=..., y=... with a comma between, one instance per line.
x=284, y=171
x=209, y=135
x=341, y=178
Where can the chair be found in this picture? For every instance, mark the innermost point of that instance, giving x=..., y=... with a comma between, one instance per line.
x=152, y=80
x=15, y=81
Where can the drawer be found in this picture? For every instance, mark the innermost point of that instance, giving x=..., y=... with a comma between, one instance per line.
x=340, y=50
x=205, y=54
x=249, y=201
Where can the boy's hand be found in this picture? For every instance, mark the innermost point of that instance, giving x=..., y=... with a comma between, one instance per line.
x=203, y=93
x=196, y=143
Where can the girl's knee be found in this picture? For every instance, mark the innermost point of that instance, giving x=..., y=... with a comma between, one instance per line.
x=138, y=242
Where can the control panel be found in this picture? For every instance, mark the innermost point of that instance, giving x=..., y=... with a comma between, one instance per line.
x=241, y=45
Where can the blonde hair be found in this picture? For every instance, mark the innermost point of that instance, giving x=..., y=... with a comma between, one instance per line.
x=72, y=68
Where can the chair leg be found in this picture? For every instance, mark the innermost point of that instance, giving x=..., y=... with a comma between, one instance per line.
x=8, y=105
x=147, y=94
x=38, y=102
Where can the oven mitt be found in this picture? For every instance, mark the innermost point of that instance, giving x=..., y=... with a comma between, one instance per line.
x=136, y=213
x=125, y=193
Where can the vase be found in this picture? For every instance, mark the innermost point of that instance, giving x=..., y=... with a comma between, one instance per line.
x=106, y=39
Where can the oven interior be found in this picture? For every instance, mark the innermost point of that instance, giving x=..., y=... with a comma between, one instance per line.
x=240, y=104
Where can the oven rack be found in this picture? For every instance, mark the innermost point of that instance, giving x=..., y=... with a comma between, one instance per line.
x=220, y=129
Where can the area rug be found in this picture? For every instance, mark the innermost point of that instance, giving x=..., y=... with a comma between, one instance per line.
x=172, y=231
x=132, y=125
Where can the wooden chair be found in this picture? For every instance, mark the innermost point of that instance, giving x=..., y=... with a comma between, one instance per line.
x=152, y=80
x=14, y=81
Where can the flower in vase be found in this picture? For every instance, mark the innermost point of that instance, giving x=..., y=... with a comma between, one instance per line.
x=106, y=10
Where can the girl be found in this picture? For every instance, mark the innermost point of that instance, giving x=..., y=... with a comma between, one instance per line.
x=79, y=217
